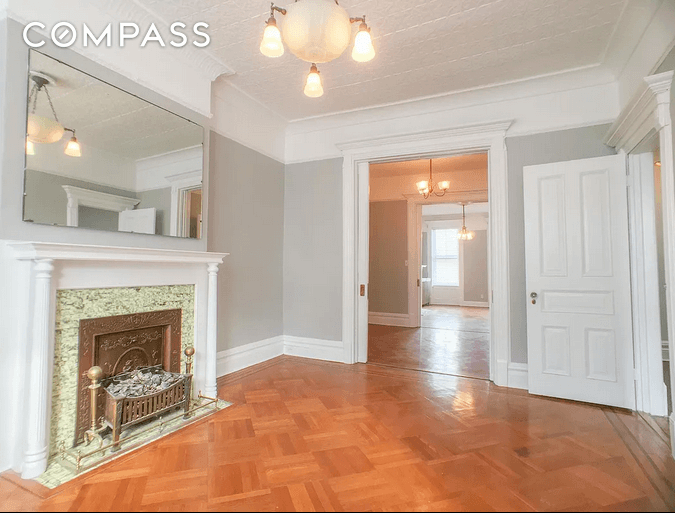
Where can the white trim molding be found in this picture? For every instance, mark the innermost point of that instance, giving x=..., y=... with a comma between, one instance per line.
x=242, y=357
x=665, y=351
x=180, y=184
x=646, y=115
x=44, y=268
x=316, y=349
x=239, y=358
x=79, y=197
x=518, y=376
x=389, y=319
x=467, y=139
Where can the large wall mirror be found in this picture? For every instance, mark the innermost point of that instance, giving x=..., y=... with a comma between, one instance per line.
x=98, y=157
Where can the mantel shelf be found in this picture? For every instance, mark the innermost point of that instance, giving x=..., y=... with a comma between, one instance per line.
x=60, y=251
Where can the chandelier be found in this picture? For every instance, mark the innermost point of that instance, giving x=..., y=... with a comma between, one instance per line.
x=43, y=130
x=426, y=188
x=316, y=31
x=465, y=234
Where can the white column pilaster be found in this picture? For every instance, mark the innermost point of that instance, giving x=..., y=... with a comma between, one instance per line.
x=36, y=449
x=211, y=386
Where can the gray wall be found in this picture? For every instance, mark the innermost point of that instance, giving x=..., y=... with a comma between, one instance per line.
x=577, y=143
x=313, y=250
x=161, y=200
x=388, y=287
x=246, y=194
x=46, y=201
x=476, y=268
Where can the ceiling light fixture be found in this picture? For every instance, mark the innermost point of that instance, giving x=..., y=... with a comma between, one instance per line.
x=316, y=31
x=426, y=188
x=465, y=234
x=44, y=130
x=73, y=147
x=41, y=129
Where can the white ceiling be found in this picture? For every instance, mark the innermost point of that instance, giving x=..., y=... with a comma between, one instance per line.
x=425, y=47
x=108, y=118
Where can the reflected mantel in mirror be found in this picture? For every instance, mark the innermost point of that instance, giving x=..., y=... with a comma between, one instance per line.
x=98, y=157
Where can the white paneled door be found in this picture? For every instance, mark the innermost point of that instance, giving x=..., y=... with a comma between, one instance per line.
x=580, y=343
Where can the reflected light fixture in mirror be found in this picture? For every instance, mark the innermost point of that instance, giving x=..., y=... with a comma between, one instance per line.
x=121, y=164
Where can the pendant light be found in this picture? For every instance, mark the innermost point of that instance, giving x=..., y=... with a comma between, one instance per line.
x=39, y=128
x=73, y=146
x=426, y=188
x=271, y=45
x=316, y=31
x=465, y=234
x=363, y=44
x=313, y=86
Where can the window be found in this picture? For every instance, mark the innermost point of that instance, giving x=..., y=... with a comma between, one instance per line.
x=445, y=258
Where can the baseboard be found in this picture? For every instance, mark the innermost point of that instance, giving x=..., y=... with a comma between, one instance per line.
x=476, y=304
x=316, y=349
x=665, y=351
x=517, y=376
x=389, y=319
x=238, y=358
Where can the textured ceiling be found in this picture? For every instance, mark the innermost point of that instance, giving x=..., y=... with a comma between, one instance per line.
x=475, y=162
x=108, y=118
x=425, y=47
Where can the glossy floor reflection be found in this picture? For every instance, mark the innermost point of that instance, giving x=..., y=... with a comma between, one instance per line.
x=452, y=340
x=315, y=436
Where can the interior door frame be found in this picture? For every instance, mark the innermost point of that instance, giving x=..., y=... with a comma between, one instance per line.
x=648, y=115
x=357, y=156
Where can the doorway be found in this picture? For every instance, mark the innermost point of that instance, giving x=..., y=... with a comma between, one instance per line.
x=429, y=266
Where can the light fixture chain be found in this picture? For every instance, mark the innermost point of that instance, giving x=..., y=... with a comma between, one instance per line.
x=33, y=97
x=51, y=104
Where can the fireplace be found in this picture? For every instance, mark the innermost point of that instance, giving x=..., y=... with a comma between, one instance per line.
x=121, y=344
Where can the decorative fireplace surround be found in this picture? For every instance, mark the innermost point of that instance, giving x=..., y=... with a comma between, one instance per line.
x=42, y=269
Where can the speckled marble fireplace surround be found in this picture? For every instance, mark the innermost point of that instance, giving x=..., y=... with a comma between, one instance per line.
x=67, y=283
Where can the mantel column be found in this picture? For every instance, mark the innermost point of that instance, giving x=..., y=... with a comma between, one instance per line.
x=211, y=356
x=38, y=399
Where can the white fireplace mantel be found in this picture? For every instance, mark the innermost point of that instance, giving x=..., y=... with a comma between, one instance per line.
x=55, y=266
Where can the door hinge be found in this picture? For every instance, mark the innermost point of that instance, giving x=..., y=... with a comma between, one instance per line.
x=418, y=282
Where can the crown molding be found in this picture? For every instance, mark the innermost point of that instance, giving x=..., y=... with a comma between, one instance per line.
x=498, y=128
x=125, y=10
x=643, y=114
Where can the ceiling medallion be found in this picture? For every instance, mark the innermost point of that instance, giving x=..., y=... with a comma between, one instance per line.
x=316, y=31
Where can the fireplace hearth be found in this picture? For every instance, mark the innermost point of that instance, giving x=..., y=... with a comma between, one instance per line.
x=121, y=344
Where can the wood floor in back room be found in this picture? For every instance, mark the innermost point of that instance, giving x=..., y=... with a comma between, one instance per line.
x=315, y=436
x=452, y=340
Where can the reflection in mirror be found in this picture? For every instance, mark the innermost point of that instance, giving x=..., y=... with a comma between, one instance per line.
x=98, y=157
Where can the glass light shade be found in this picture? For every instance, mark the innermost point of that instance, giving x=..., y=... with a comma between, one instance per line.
x=313, y=87
x=444, y=186
x=30, y=147
x=422, y=187
x=316, y=30
x=73, y=148
x=363, y=46
x=43, y=130
x=271, y=45
x=464, y=234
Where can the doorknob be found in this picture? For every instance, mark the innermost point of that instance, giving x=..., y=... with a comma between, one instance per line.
x=534, y=296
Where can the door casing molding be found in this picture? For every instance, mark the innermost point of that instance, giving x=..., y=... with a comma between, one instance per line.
x=357, y=155
x=646, y=115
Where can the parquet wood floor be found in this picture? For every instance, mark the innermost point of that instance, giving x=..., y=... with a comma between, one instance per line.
x=314, y=436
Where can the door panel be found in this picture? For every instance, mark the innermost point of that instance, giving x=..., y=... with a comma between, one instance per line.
x=578, y=281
